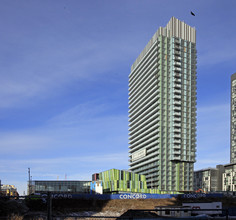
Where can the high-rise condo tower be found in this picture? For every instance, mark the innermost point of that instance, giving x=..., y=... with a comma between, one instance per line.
x=233, y=120
x=162, y=108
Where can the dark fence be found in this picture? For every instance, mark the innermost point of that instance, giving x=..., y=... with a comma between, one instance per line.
x=109, y=196
x=131, y=196
x=48, y=199
x=122, y=196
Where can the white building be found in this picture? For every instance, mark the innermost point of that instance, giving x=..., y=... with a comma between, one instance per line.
x=209, y=179
x=229, y=177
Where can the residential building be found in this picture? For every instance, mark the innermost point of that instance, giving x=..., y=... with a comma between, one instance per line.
x=162, y=109
x=8, y=190
x=209, y=179
x=233, y=120
x=229, y=177
x=223, y=177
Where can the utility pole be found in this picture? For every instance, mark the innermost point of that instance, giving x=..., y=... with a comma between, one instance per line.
x=29, y=183
x=49, y=206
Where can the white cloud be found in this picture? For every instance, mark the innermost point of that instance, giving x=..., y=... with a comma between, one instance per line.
x=80, y=129
x=42, y=165
x=23, y=143
x=48, y=71
x=78, y=142
x=74, y=168
x=83, y=112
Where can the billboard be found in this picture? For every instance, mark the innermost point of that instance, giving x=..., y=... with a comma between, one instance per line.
x=108, y=196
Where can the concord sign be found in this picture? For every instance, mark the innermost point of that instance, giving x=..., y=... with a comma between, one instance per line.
x=133, y=196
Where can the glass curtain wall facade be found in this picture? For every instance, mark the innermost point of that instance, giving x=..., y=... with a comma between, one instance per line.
x=60, y=186
x=162, y=109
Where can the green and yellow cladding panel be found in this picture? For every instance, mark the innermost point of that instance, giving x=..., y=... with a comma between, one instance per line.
x=123, y=181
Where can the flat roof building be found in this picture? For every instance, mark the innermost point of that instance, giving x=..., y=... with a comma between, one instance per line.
x=122, y=181
x=60, y=186
x=226, y=179
x=209, y=179
x=229, y=177
x=221, y=178
x=162, y=108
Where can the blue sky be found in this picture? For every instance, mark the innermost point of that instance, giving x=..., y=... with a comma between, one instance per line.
x=64, y=67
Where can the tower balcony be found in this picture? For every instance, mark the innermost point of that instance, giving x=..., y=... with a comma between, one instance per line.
x=178, y=86
x=146, y=143
x=177, y=47
x=144, y=126
x=145, y=62
x=194, y=93
x=177, y=124
x=152, y=144
x=177, y=42
x=143, y=67
x=175, y=102
x=178, y=80
x=177, y=135
x=177, y=113
x=137, y=109
x=177, y=69
x=136, y=137
x=150, y=135
x=177, y=58
x=177, y=64
x=145, y=158
x=177, y=90
x=177, y=130
x=143, y=78
x=140, y=121
x=143, y=163
x=143, y=97
x=143, y=121
x=177, y=75
x=177, y=121
x=147, y=86
x=177, y=108
x=177, y=141
x=175, y=157
x=177, y=96
x=144, y=84
x=177, y=53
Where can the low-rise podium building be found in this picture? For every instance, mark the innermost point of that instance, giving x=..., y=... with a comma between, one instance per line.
x=59, y=186
x=209, y=179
